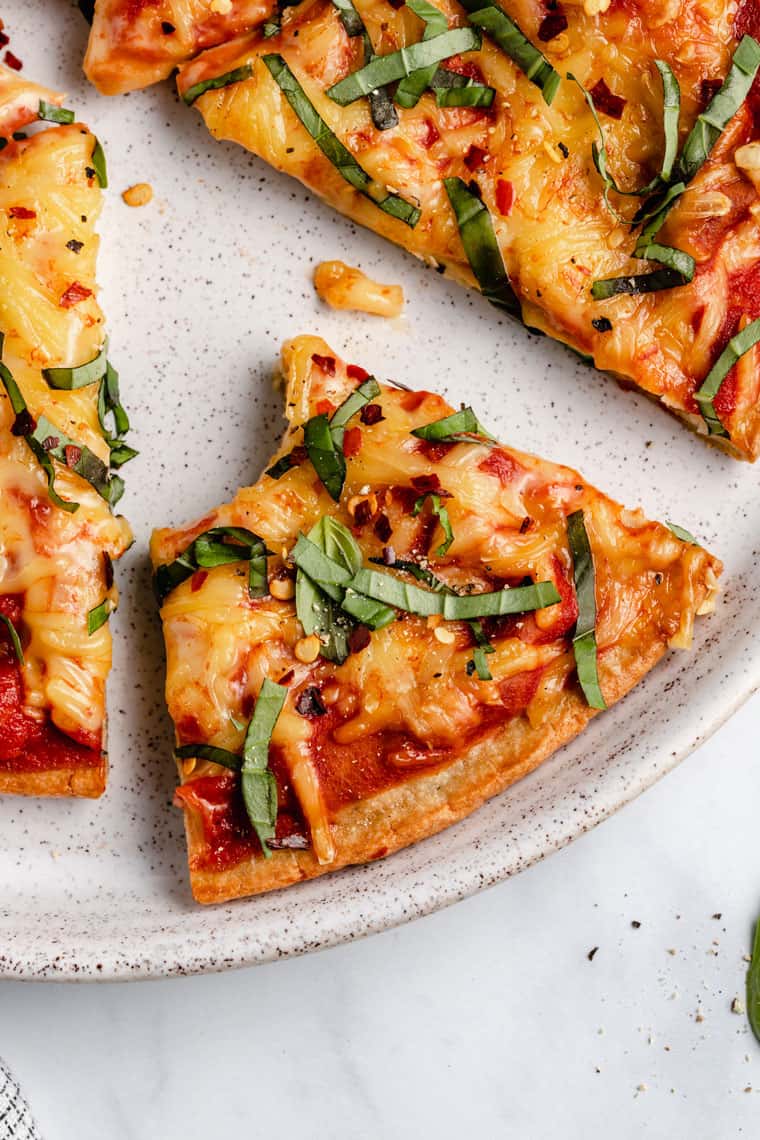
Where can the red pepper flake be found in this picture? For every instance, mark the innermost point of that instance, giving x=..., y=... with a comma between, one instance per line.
x=298, y=456
x=426, y=483
x=430, y=134
x=4, y=39
x=382, y=528
x=21, y=212
x=371, y=414
x=505, y=197
x=325, y=407
x=605, y=101
x=466, y=67
x=197, y=580
x=475, y=157
x=354, y=371
x=554, y=22
x=363, y=513
x=397, y=4
x=358, y=638
x=73, y=295
x=326, y=363
x=167, y=28
x=72, y=454
x=352, y=442
x=708, y=89
x=24, y=423
x=50, y=443
x=13, y=61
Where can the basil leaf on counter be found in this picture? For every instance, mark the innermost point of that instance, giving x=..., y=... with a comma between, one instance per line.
x=584, y=637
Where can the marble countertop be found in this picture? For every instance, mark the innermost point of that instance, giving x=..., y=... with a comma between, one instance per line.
x=490, y=1017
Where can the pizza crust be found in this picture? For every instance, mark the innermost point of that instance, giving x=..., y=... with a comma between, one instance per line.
x=89, y=783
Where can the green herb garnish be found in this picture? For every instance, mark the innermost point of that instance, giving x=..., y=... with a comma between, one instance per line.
x=334, y=150
x=682, y=533
x=209, y=752
x=257, y=780
x=466, y=95
x=219, y=546
x=226, y=80
x=385, y=69
x=69, y=379
x=584, y=637
x=384, y=114
x=51, y=113
x=679, y=268
x=505, y=32
x=481, y=247
x=412, y=87
x=462, y=426
x=98, y=160
x=323, y=438
x=99, y=615
x=753, y=985
x=442, y=514
x=15, y=639
x=453, y=607
x=738, y=345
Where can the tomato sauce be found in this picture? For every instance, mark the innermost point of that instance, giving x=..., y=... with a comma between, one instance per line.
x=27, y=744
x=743, y=300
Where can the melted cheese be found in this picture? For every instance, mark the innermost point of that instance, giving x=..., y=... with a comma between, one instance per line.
x=408, y=685
x=54, y=560
x=555, y=234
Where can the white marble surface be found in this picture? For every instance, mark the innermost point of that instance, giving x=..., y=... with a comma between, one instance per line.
x=484, y=1019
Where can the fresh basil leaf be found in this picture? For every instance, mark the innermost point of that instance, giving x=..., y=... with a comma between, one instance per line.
x=679, y=270
x=259, y=786
x=98, y=160
x=69, y=379
x=481, y=664
x=384, y=114
x=121, y=453
x=209, y=752
x=680, y=532
x=98, y=616
x=453, y=607
x=739, y=344
x=326, y=456
x=368, y=390
x=209, y=550
x=226, y=80
x=469, y=95
x=281, y=467
x=481, y=247
x=334, y=150
x=398, y=64
x=51, y=441
x=367, y=611
x=15, y=639
x=318, y=602
x=109, y=403
x=330, y=575
x=51, y=113
x=459, y=424
x=753, y=985
x=413, y=86
x=442, y=514
x=584, y=637
x=494, y=21
x=671, y=113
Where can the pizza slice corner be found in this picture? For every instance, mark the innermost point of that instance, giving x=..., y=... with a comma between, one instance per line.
x=397, y=621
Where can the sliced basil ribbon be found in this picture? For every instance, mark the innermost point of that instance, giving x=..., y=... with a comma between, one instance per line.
x=350, y=19
x=98, y=160
x=212, y=549
x=721, y=109
x=109, y=403
x=679, y=268
x=753, y=985
x=413, y=86
x=334, y=150
x=584, y=637
x=15, y=639
x=51, y=113
x=671, y=113
x=384, y=114
x=323, y=438
x=69, y=379
x=373, y=614
x=453, y=607
x=386, y=69
x=468, y=95
x=327, y=558
x=98, y=616
x=226, y=80
x=504, y=31
x=482, y=647
x=453, y=428
x=258, y=784
x=481, y=247
x=739, y=344
x=682, y=533
x=209, y=752
x=442, y=514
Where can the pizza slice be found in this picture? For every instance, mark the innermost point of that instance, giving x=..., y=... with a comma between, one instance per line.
x=61, y=433
x=134, y=43
x=401, y=618
x=593, y=168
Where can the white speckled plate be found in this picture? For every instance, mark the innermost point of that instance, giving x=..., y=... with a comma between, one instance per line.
x=200, y=289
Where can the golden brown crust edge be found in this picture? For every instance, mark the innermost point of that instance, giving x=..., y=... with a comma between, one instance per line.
x=423, y=806
x=89, y=783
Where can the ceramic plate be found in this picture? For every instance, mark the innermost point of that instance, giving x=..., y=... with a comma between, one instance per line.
x=200, y=288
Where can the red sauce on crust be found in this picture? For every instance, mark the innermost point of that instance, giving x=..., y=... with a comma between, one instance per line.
x=503, y=466
x=28, y=744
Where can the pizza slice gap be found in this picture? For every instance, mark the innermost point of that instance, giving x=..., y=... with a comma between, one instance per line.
x=605, y=197
x=134, y=43
x=397, y=621
x=62, y=432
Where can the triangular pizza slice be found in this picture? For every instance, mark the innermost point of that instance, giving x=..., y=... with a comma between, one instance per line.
x=397, y=621
x=61, y=434
x=599, y=183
